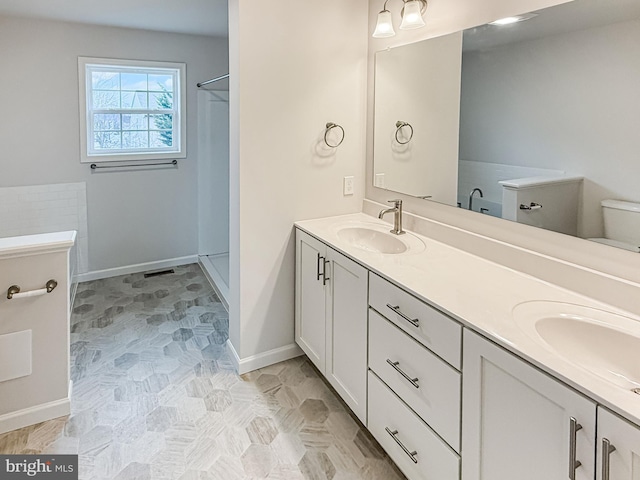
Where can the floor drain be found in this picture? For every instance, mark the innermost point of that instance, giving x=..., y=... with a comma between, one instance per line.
x=161, y=272
x=636, y=391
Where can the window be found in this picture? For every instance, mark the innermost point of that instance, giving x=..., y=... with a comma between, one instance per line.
x=131, y=110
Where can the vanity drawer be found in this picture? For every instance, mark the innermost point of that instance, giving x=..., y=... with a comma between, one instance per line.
x=430, y=327
x=435, y=396
x=433, y=459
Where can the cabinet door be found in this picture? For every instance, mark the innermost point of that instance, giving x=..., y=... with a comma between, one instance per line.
x=310, y=328
x=623, y=463
x=517, y=421
x=347, y=331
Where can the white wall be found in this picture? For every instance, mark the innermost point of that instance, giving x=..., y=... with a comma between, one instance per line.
x=292, y=70
x=580, y=94
x=134, y=217
x=213, y=172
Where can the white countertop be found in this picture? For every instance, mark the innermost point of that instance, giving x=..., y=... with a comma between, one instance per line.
x=30, y=244
x=481, y=295
x=528, y=182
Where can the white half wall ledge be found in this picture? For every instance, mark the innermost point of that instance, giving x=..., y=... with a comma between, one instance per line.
x=25, y=245
x=261, y=360
x=136, y=268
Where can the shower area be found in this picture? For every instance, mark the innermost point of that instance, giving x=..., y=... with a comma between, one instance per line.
x=213, y=182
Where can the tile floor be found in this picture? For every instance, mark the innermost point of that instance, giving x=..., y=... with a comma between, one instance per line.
x=155, y=396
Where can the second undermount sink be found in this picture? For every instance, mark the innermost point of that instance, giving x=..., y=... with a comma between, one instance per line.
x=604, y=343
x=376, y=238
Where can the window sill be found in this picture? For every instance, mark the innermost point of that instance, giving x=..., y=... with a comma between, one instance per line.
x=142, y=157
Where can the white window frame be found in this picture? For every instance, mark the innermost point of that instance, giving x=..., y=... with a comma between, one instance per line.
x=178, y=150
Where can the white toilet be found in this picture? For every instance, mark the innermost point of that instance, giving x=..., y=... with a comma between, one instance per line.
x=621, y=225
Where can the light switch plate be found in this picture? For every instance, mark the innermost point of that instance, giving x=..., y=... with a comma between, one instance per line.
x=379, y=180
x=347, y=186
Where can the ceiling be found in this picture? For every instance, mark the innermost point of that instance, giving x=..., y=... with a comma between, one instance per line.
x=199, y=17
x=572, y=16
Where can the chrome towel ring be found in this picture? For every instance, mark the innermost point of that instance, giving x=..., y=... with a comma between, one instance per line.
x=399, y=125
x=331, y=126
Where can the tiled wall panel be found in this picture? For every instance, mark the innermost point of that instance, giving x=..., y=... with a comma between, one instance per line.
x=486, y=176
x=45, y=209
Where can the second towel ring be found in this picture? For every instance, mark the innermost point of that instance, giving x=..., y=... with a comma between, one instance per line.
x=331, y=126
x=399, y=125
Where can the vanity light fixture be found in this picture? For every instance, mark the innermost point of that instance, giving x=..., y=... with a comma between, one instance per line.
x=515, y=19
x=412, y=14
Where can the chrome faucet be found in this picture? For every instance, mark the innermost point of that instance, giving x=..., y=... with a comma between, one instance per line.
x=397, y=217
x=471, y=197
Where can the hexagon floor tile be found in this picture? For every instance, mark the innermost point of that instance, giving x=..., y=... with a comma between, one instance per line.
x=155, y=396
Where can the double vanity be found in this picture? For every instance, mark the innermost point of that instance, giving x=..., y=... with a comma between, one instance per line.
x=462, y=368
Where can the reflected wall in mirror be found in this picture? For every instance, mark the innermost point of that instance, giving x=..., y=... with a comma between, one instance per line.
x=417, y=117
x=549, y=123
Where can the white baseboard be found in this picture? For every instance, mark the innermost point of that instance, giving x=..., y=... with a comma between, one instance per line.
x=140, y=267
x=234, y=355
x=214, y=280
x=264, y=359
x=32, y=415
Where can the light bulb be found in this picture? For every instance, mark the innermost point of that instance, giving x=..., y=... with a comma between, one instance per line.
x=412, y=17
x=384, y=27
x=514, y=19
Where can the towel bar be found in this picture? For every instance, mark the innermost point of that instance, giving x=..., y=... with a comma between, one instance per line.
x=95, y=166
x=14, y=290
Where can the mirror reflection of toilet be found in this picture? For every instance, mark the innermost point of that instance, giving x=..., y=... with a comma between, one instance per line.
x=621, y=225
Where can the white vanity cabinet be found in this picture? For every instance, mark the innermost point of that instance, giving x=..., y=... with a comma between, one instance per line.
x=444, y=402
x=414, y=382
x=412, y=445
x=331, y=318
x=310, y=298
x=518, y=422
x=618, y=448
x=439, y=333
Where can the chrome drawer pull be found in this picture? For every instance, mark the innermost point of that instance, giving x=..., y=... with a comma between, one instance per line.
x=325, y=279
x=574, y=427
x=394, y=433
x=318, y=274
x=395, y=365
x=607, y=450
x=413, y=321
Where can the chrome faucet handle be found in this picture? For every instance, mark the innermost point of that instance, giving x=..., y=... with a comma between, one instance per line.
x=397, y=216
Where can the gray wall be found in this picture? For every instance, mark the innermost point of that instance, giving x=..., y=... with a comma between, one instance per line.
x=566, y=102
x=134, y=217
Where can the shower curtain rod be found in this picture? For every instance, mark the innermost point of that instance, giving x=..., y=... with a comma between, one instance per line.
x=217, y=79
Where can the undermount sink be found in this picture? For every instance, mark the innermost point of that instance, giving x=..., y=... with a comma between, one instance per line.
x=377, y=238
x=603, y=343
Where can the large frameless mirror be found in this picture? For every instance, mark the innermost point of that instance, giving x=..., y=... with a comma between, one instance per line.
x=535, y=121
